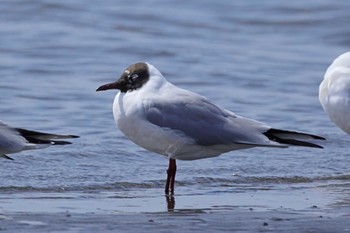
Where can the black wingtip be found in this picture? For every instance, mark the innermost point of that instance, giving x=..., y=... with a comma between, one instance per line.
x=7, y=157
x=275, y=132
x=295, y=142
x=60, y=142
x=293, y=138
x=45, y=136
x=302, y=143
x=317, y=137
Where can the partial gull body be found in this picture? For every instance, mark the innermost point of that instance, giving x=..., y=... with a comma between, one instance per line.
x=180, y=124
x=14, y=140
x=334, y=92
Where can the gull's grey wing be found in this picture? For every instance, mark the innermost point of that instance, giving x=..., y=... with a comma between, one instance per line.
x=204, y=122
x=10, y=140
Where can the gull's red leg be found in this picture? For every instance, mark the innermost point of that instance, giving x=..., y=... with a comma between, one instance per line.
x=170, y=181
x=173, y=174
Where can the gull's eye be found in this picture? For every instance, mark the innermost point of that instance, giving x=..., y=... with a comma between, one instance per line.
x=132, y=78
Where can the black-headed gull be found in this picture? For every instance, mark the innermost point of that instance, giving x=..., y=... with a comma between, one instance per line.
x=334, y=92
x=180, y=124
x=13, y=140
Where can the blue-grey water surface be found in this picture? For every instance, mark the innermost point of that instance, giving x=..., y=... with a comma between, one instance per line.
x=260, y=59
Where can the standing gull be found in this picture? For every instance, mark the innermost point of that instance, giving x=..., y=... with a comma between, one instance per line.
x=180, y=124
x=13, y=140
x=334, y=92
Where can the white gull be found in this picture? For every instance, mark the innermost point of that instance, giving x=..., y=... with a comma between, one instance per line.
x=177, y=123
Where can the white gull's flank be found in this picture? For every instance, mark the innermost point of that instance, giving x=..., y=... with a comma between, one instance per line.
x=334, y=92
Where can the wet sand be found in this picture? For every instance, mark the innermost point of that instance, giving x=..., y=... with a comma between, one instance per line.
x=234, y=220
x=259, y=211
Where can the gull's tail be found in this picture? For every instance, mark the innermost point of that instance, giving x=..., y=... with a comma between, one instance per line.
x=292, y=138
x=39, y=139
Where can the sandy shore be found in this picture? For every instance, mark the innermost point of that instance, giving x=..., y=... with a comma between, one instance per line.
x=292, y=210
x=234, y=220
x=178, y=221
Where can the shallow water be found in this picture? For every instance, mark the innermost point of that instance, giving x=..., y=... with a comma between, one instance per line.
x=262, y=60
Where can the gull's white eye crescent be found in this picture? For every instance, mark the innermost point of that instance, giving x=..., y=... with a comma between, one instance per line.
x=134, y=77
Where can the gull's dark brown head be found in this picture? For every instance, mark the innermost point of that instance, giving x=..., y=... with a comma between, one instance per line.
x=133, y=78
